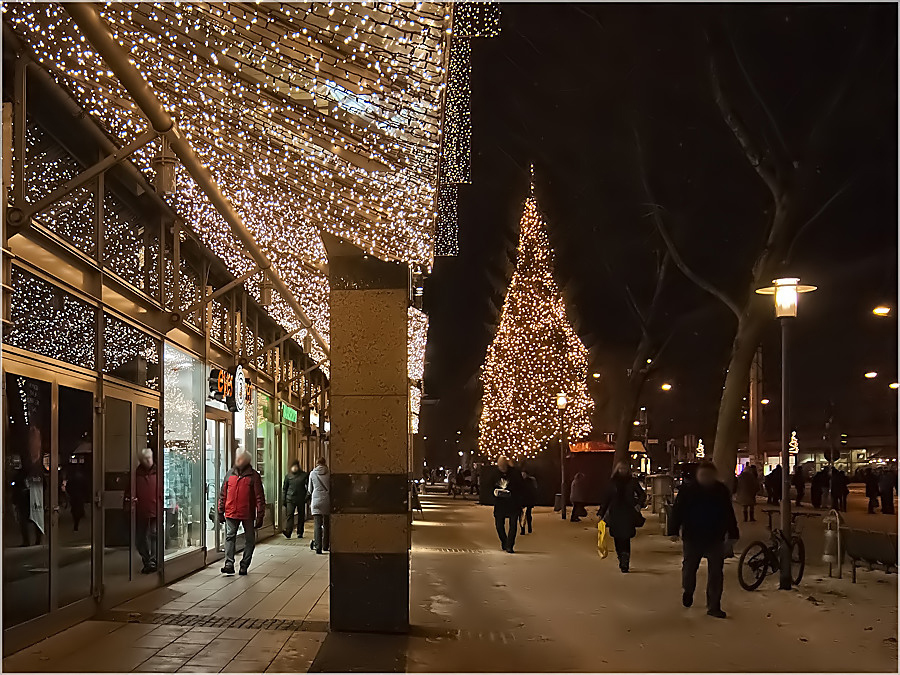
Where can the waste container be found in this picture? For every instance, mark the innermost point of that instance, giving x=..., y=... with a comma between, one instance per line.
x=662, y=489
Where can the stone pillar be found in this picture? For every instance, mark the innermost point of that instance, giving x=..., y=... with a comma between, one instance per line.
x=369, y=391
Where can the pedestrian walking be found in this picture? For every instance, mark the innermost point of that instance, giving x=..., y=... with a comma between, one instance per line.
x=816, y=488
x=293, y=494
x=579, y=496
x=507, y=503
x=621, y=509
x=773, y=485
x=798, y=480
x=146, y=491
x=873, y=491
x=886, y=486
x=529, y=499
x=242, y=503
x=704, y=517
x=320, y=506
x=840, y=488
x=747, y=489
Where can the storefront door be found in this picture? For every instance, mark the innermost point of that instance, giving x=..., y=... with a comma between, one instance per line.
x=219, y=459
x=130, y=512
x=48, y=495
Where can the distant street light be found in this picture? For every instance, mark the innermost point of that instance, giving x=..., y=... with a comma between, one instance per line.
x=786, y=292
x=666, y=386
x=871, y=375
x=765, y=401
x=893, y=385
x=561, y=403
x=882, y=310
x=636, y=423
x=596, y=376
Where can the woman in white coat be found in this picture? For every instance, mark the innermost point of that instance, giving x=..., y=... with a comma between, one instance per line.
x=320, y=505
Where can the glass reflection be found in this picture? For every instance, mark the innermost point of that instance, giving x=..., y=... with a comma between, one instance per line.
x=26, y=500
x=76, y=466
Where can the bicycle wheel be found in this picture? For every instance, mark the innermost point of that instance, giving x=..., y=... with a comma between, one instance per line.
x=753, y=566
x=798, y=560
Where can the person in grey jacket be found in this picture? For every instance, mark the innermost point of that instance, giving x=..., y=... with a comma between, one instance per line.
x=320, y=505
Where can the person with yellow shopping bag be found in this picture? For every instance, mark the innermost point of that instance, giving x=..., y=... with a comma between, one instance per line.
x=621, y=509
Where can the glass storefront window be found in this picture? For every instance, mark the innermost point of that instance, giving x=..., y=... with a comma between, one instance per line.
x=47, y=320
x=183, y=417
x=26, y=500
x=266, y=462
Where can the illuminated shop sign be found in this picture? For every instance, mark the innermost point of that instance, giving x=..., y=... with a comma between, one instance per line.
x=230, y=387
x=288, y=414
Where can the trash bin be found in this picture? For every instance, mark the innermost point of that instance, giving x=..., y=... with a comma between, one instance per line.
x=557, y=502
x=662, y=489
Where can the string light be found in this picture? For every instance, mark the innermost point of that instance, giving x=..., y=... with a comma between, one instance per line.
x=320, y=115
x=446, y=241
x=534, y=355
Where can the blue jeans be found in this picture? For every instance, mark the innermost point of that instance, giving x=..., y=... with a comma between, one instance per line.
x=231, y=529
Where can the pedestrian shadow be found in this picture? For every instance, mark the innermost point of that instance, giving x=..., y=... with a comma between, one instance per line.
x=361, y=652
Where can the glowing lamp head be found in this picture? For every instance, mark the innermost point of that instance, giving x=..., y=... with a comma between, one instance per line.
x=893, y=385
x=765, y=401
x=666, y=386
x=786, y=291
x=561, y=401
x=871, y=375
x=882, y=310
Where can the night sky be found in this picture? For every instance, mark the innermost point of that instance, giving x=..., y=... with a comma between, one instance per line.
x=576, y=89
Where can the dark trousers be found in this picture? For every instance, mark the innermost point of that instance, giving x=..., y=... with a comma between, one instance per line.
x=873, y=503
x=289, y=508
x=525, y=519
x=321, y=532
x=578, y=511
x=801, y=490
x=507, y=525
x=714, y=552
x=145, y=532
x=887, y=502
x=623, y=551
x=231, y=529
x=749, y=513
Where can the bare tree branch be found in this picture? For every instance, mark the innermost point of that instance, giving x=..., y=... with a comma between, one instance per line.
x=815, y=216
x=759, y=98
x=671, y=250
x=632, y=301
x=730, y=116
x=840, y=91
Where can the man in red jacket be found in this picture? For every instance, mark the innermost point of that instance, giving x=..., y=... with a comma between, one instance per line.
x=242, y=502
x=146, y=491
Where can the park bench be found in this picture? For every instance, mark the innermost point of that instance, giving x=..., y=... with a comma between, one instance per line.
x=871, y=548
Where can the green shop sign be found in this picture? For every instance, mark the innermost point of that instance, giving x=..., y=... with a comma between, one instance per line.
x=288, y=414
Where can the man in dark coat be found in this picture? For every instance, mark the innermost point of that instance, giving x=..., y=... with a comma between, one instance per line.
x=294, y=496
x=798, y=480
x=816, y=486
x=704, y=516
x=242, y=503
x=773, y=485
x=872, y=490
x=507, y=502
x=886, y=485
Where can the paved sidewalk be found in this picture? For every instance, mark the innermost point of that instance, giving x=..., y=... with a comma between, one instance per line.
x=554, y=606
x=287, y=582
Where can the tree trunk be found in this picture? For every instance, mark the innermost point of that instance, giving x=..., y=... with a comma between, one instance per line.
x=737, y=382
x=636, y=379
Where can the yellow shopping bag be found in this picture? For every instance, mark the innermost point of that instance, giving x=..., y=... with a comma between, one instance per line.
x=602, y=539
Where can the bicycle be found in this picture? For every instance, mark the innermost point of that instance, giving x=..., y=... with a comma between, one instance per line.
x=760, y=558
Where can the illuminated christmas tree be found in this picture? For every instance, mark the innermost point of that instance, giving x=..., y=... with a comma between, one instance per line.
x=534, y=356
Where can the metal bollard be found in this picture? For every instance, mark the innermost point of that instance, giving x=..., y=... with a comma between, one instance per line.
x=832, y=554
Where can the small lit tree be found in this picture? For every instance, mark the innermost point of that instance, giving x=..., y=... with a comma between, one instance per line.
x=535, y=355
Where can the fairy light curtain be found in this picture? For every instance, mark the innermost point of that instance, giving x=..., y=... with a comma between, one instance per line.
x=470, y=20
x=309, y=116
x=534, y=355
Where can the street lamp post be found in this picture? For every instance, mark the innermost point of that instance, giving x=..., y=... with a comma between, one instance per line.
x=561, y=402
x=786, y=291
